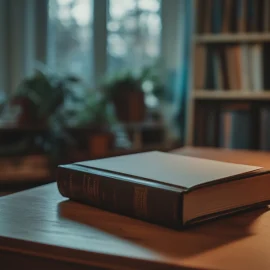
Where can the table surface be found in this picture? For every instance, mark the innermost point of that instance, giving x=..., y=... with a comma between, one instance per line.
x=39, y=222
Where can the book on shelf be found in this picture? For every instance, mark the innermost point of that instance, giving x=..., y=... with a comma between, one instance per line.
x=266, y=65
x=165, y=189
x=266, y=16
x=207, y=126
x=232, y=67
x=232, y=16
x=257, y=67
x=229, y=125
x=265, y=128
x=235, y=127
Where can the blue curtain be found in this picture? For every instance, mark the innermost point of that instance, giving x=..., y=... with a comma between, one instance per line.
x=183, y=74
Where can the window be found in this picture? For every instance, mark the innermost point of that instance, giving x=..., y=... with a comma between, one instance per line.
x=133, y=35
x=134, y=30
x=70, y=37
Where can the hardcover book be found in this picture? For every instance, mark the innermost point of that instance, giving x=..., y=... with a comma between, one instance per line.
x=166, y=189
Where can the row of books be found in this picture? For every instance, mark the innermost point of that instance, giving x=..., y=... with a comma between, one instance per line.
x=233, y=127
x=232, y=16
x=235, y=67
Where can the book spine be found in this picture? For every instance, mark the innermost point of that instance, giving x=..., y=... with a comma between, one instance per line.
x=152, y=204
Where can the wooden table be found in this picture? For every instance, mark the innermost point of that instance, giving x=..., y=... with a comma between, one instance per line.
x=39, y=229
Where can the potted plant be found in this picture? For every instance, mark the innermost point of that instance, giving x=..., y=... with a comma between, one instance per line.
x=126, y=94
x=41, y=95
x=87, y=125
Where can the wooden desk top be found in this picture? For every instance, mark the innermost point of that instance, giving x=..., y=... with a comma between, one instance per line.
x=255, y=158
x=41, y=223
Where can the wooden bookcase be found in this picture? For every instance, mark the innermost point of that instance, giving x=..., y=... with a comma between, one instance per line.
x=248, y=37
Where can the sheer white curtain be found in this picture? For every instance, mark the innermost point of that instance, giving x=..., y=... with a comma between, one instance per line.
x=3, y=46
x=18, y=46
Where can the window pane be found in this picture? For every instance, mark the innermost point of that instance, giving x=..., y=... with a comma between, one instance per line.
x=134, y=29
x=70, y=37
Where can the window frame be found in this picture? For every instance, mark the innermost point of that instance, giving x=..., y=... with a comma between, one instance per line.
x=31, y=28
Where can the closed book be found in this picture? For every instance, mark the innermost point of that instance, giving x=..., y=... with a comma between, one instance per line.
x=166, y=189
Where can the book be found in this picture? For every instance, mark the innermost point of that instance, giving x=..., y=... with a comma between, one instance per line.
x=200, y=15
x=241, y=15
x=256, y=56
x=235, y=121
x=230, y=58
x=200, y=128
x=227, y=16
x=265, y=128
x=199, y=66
x=233, y=19
x=250, y=16
x=207, y=16
x=237, y=60
x=217, y=68
x=217, y=16
x=163, y=188
x=245, y=67
x=210, y=69
x=232, y=16
x=266, y=65
x=259, y=16
x=266, y=17
x=224, y=68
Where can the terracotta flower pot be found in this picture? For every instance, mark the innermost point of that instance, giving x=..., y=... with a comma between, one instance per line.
x=129, y=106
x=26, y=111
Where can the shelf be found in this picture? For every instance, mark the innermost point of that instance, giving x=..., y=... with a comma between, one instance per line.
x=241, y=37
x=230, y=95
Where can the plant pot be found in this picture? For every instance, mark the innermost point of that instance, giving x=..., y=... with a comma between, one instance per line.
x=129, y=106
x=26, y=111
x=100, y=144
x=92, y=142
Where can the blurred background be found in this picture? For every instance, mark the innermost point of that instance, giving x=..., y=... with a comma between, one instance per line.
x=86, y=79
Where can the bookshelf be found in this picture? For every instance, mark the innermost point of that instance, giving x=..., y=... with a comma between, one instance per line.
x=229, y=95
x=240, y=37
x=230, y=62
